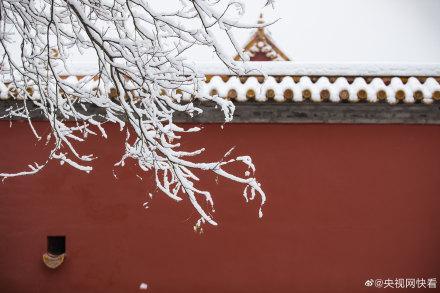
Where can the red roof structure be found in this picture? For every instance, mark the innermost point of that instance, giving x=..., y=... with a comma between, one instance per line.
x=261, y=46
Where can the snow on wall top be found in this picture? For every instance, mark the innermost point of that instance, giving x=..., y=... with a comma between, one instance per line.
x=289, y=68
x=325, y=89
x=298, y=82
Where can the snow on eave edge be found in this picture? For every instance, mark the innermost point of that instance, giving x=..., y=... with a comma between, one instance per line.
x=292, y=68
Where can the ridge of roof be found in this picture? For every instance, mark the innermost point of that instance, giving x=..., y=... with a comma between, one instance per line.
x=290, y=68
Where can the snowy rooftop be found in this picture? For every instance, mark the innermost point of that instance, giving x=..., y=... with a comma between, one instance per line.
x=270, y=75
x=291, y=68
x=326, y=89
x=290, y=81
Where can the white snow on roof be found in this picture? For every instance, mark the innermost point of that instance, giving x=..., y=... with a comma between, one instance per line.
x=292, y=68
x=324, y=90
x=80, y=68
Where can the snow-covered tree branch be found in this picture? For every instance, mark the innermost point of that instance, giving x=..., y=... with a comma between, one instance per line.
x=142, y=79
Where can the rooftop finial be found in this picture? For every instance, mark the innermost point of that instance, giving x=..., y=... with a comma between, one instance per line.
x=261, y=19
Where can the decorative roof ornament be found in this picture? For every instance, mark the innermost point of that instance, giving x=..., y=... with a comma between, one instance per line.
x=261, y=46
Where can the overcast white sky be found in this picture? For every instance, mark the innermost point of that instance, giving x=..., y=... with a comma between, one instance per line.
x=350, y=30
x=339, y=31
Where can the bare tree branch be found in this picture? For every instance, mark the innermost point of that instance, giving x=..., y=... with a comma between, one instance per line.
x=142, y=81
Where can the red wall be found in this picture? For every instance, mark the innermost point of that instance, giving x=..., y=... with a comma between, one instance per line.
x=345, y=203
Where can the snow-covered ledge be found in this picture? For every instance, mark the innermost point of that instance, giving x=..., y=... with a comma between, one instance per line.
x=288, y=81
x=292, y=68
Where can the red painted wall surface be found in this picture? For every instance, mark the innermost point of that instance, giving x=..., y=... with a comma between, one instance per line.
x=346, y=203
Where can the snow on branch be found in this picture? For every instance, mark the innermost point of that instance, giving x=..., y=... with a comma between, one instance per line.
x=141, y=80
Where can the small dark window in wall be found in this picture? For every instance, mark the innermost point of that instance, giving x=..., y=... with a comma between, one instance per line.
x=56, y=245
